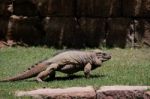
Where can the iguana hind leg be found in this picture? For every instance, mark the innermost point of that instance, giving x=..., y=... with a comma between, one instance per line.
x=87, y=70
x=49, y=71
x=51, y=76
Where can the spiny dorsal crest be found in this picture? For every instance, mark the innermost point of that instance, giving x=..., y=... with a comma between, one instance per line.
x=36, y=64
x=98, y=51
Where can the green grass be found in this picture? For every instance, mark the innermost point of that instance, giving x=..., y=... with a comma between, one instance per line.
x=127, y=67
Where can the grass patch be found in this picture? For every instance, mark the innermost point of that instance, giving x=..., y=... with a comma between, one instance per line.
x=127, y=67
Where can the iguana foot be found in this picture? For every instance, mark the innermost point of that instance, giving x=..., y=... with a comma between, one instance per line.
x=39, y=80
x=87, y=70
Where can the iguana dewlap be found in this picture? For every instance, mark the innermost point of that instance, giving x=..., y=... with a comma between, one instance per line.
x=68, y=62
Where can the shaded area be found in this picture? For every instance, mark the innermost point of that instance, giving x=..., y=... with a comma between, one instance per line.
x=72, y=77
x=76, y=23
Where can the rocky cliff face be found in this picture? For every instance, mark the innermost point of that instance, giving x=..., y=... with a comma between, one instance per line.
x=76, y=23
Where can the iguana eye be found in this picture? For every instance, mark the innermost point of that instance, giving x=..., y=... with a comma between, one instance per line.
x=99, y=57
x=104, y=54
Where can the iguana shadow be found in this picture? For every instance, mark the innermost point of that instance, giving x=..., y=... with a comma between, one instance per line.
x=71, y=77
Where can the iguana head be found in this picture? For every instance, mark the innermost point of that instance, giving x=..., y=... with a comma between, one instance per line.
x=103, y=56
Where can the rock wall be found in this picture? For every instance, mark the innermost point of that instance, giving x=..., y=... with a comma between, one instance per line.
x=76, y=23
x=104, y=92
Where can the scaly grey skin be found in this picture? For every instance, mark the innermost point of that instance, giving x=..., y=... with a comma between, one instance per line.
x=68, y=62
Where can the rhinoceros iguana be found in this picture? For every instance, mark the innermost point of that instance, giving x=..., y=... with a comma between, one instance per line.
x=68, y=62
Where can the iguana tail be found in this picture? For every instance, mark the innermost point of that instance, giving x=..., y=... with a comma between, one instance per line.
x=31, y=72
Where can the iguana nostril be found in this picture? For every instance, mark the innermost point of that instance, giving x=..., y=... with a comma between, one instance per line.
x=109, y=57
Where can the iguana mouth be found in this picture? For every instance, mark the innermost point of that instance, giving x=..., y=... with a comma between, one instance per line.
x=109, y=57
x=105, y=58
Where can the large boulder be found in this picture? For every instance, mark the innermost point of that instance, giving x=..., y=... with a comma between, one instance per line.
x=136, y=8
x=25, y=29
x=63, y=32
x=93, y=30
x=145, y=8
x=102, y=8
x=67, y=93
x=5, y=8
x=56, y=7
x=123, y=95
x=117, y=30
x=142, y=32
x=146, y=38
x=138, y=33
x=131, y=8
x=123, y=92
x=25, y=8
x=3, y=27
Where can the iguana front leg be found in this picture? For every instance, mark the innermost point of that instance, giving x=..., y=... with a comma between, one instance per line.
x=50, y=70
x=87, y=70
x=98, y=62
